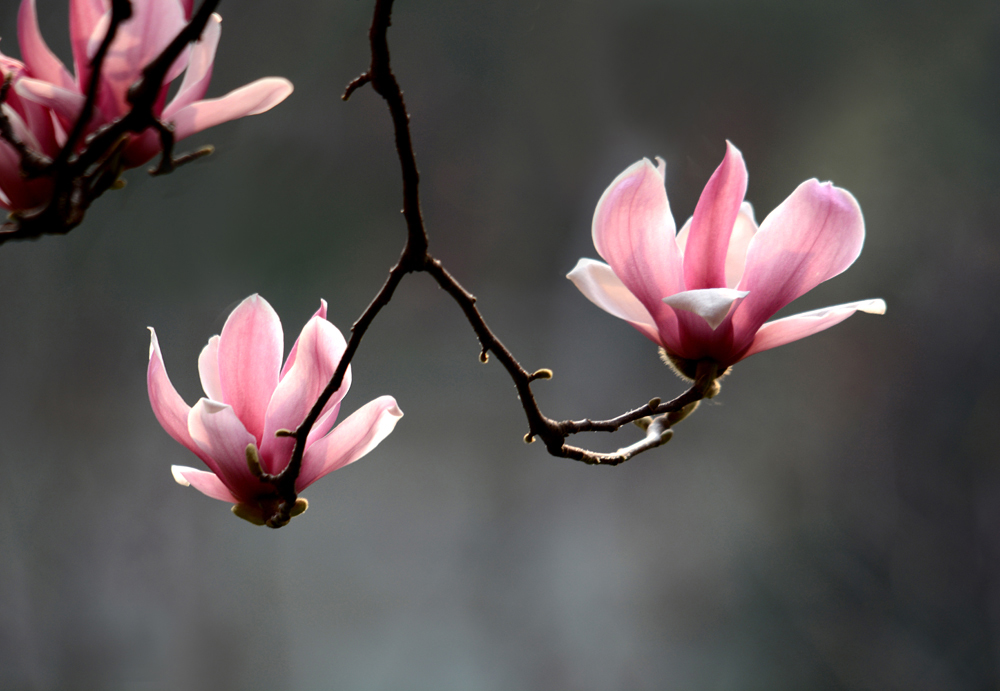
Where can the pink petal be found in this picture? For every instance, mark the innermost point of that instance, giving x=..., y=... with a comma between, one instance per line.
x=320, y=347
x=139, y=40
x=254, y=98
x=712, y=223
x=84, y=17
x=207, y=483
x=736, y=257
x=168, y=407
x=21, y=129
x=188, y=6
x=711, y=304
x=599, y=284
x=249, y=361
x=42, y=62
x=20, y=194
x=682, y=236
x=290, y=360
x=634, y=232
x=350, y=440
x=66, y=103
x=37, y=119
x=221, y=436
x=812, y=236
x=199, y=69
x=141, y=148
x=782, y=331
x=208, y=370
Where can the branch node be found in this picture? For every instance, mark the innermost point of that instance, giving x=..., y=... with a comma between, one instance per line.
x=653, y=403
x=484, y=356
x=544, y=373
x=529, y=438
x=356, y=84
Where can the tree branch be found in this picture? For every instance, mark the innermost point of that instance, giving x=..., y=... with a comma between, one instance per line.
x=416, y=258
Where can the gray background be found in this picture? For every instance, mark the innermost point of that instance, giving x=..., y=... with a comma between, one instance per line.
x=831, y=522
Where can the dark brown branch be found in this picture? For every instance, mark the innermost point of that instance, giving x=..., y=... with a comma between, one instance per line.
x=416, y=258
x=81, y=176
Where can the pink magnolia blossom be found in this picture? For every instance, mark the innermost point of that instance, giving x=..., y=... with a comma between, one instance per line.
x=706, y=293
x=249, y=396
x=153, y=25
x=32, y=125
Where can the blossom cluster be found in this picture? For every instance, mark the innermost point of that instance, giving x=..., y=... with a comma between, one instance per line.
x=46, y=100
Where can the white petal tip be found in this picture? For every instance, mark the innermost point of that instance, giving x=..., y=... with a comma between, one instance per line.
x=873, y=307
x=212, y=407
x=178, y=472
x=711, y=304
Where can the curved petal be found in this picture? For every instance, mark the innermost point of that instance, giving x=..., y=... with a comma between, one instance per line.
x=208, y=370
x=782, y=331
x=139, y=40
x=249, y=361
x=168, y=407
x=812, y=236
x=42, y=62
x=320, y=347
x=21, y=194
x=36, y=118
x=141, y=148
x=199, y=69
x=290, y=360
x=221, y=436
x=712, y=223
x=254, y=98
x=20, y=128
x=634, y=232
x=599, y=284
x=350, y=440
x=207, y=483
x=711, y=304
x=65, y=103
x=84, y=17
x=682, y=236
x=736, y=256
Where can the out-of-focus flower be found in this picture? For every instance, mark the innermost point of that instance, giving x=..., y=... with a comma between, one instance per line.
x=705, y=294
x=154, y=23
x=32, y=125
x=249, y=396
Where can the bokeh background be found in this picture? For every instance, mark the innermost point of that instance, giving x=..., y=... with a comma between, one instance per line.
x=831, y=521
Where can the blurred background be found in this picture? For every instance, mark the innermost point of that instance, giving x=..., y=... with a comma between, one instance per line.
x=831, y=521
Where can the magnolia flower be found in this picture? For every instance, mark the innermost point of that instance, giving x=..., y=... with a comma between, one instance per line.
x=153, y=25
x=705, y=294
x=249, y=396
x=33, y=127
